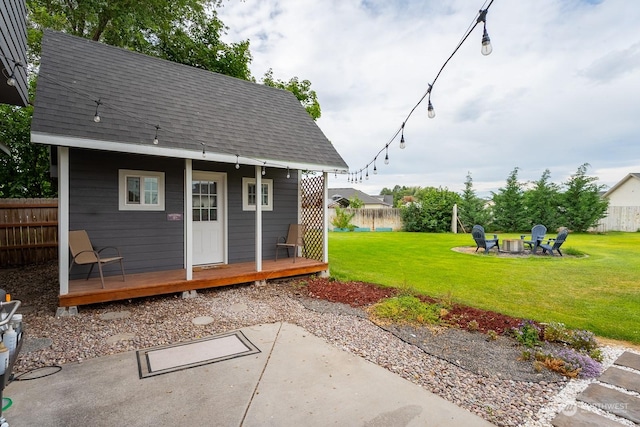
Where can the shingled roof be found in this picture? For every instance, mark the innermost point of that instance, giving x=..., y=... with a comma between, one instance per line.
x=194, y=109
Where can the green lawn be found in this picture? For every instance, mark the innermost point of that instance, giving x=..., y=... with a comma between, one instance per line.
x=599, y=292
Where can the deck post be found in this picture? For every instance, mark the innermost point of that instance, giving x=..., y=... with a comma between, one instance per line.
x=63, y=219
x=325, y=217
x=188, y=219
x=258, y=218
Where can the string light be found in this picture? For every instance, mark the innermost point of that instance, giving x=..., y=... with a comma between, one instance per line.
x=11, y=80
x=155, y=140
x=264, y=169
x=96, y=117
x=367, y=175
x=375, y=169
x=237, y=161
x=486, y=50
x=486, y=41
x=204, y=154
x=288, y=173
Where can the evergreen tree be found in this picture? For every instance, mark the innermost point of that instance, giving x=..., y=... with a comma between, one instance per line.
x=471, y=209
x=509, y=213
x=582, y=202
x=543, y=203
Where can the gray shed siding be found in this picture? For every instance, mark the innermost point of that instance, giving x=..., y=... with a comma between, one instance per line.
x=147, y=239
x=13, y=47
x=242, y=224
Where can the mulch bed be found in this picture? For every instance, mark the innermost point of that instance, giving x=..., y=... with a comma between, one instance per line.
x=361, y=294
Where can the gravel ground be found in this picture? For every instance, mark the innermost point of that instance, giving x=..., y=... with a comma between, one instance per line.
x=104, y=329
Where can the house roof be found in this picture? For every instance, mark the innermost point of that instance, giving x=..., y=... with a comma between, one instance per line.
x=193, y=108
x=635, y=175
x=347, y=193
x=13, y=49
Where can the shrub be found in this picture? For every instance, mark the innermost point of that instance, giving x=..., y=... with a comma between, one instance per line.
x=492, y=335
x=473, y=326
x=527, y=334
x=575, y=361
x=583, y=341
x=408, y=309
x=343, y=219
x=555, y=331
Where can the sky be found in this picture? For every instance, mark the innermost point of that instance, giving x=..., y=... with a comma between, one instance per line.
x=560, y=89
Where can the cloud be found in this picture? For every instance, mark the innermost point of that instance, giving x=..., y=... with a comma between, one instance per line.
x=553, y=94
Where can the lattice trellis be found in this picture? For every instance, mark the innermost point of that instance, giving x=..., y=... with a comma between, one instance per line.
x=312, y=215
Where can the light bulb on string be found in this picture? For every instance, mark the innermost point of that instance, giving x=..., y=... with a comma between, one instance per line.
x=11, y=81
x=361, y=176
x=367, y=175
x=486, y=41
x=386, y=155
x=155, y=139
x=96, y=117
x=204, y=154
x=402, y=144
x=431, y=113
x=237, y=161
x=264, y=170
x=288, y=173
x=375, y=169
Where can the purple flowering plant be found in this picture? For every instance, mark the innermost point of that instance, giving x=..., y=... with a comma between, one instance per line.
x=588, y=368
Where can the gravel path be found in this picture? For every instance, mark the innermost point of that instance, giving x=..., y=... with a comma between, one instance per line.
x=104, y=329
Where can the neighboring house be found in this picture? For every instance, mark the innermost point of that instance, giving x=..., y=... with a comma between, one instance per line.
x=184, y=168
x=340, y=197
x=626, y=192
x=13, y=53
x=623, y=213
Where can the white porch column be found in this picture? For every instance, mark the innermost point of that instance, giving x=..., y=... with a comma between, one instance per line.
x=325, y=216
x=188, y=218
x=63, y=219
x=258, y=218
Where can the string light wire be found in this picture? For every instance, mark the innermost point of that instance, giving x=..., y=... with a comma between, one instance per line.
x=480, y=17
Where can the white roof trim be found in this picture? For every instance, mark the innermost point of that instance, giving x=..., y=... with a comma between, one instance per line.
x=618, y=184
x=159, y=150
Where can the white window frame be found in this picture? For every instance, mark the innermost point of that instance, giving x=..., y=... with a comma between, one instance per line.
x=123, y=204
x=245, y=194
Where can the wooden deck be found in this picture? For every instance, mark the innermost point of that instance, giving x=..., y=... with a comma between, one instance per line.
x=82, y=292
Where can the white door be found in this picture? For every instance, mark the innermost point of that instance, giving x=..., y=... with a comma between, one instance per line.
x=207, y=210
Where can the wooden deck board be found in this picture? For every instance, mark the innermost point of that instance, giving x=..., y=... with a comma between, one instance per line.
x=82, y=292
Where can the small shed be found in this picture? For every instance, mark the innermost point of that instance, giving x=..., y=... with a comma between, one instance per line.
x=188, y=172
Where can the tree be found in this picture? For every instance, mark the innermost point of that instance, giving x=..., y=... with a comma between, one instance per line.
x=25, y=171
x=471, y=209
x=543, y=203
x=399, y=193
x=343, y=219
x=582, y=202
x=509, y=209
x=432, y=212
x=355, y=202
x=301, y=89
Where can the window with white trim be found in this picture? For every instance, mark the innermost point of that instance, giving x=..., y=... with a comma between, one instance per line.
x=140, y=190
x=249, y=194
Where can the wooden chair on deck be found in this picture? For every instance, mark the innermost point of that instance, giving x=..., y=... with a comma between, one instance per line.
x=294, y=240
x=83, y=253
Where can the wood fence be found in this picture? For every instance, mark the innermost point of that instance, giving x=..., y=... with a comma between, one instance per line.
x=28, y=231
x=620, y=218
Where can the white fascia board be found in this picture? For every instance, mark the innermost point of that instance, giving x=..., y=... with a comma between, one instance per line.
x=159, y=150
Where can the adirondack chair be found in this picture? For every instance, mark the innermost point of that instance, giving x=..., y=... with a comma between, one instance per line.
x=481, y=241
x=554, y=244
x=537, y=236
